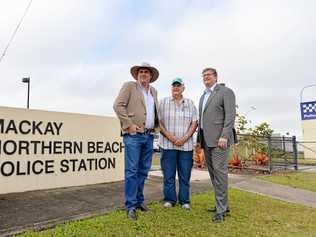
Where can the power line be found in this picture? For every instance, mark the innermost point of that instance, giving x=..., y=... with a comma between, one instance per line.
x=15, y=31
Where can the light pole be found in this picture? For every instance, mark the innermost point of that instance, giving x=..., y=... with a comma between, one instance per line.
x=27, y=80
x=301, y=94
x=252, y=108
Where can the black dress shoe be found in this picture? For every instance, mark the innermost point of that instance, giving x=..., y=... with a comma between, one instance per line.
x=131, y=214
x=219, y=217
x=143, y=208
x=227, y=212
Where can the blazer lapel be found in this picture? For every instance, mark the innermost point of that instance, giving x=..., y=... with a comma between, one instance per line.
x=211, y=96
x=140, y=94
x=154, y=95
x=201, y=104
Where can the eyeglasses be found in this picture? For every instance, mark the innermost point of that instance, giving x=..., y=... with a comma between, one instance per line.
x=208, y=74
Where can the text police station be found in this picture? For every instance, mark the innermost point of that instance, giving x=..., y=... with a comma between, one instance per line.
x=12, y=147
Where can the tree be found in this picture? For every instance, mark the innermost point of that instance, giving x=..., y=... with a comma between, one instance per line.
x=262, y=130
x=253, y=139
x=241, y=124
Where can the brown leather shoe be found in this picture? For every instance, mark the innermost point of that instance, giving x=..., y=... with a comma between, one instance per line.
x=131, y=214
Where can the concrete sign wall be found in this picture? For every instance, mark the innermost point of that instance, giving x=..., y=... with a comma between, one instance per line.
x=43, y=150
x=308, y=115
x=309, y=138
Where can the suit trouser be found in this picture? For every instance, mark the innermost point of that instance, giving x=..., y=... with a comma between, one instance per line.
x=217, y=164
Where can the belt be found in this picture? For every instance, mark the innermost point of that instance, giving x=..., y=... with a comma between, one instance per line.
x=147, y=131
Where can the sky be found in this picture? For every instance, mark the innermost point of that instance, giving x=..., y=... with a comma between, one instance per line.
x=78, y=53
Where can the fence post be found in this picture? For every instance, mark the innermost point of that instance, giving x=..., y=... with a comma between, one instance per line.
x=270, y=154
x=283, y=144
x=294, y=142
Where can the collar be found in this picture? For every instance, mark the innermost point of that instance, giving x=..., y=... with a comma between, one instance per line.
x=210, y=89
x=183, y=101
x=143, y=88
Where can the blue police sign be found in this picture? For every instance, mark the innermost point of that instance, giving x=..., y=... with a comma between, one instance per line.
x=308, y=110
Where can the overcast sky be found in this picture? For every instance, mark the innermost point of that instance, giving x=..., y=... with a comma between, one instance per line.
x=78, y=53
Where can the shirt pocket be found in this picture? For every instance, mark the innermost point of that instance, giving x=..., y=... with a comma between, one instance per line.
x=187, y=115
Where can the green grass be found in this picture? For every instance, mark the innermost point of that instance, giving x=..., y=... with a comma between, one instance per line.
x=251, y=215
x=301, y=180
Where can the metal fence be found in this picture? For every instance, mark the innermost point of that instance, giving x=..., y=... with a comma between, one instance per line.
x=265, y=153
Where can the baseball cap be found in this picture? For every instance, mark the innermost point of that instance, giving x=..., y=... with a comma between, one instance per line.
x=177, y=80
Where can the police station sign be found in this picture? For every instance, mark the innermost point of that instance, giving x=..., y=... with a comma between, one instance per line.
x=308, y=110
x=41, y=150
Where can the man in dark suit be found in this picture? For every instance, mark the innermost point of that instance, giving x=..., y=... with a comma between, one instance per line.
x=217, y=110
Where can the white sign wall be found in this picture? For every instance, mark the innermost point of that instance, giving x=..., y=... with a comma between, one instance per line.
x=43, y=150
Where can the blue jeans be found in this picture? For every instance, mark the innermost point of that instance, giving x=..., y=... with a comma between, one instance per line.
x=172, y=160
x=138, y=156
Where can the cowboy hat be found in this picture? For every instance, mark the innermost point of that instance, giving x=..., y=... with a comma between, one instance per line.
x=154, y=71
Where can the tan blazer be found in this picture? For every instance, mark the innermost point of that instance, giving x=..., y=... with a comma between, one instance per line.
x=130, y=108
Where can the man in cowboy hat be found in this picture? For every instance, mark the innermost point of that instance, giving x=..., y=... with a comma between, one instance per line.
x=136, y=107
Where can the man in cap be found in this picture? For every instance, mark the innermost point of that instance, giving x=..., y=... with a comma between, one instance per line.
x=178, y=121
x=217, y=112
x=136, y=107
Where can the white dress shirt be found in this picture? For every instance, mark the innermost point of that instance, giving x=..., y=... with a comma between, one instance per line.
x=150, y=109
x=207, y=92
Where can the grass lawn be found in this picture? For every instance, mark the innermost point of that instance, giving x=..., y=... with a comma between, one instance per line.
x=251, y=215
x=301, y=180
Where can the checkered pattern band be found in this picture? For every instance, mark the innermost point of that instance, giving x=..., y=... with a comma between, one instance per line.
x=308, y=110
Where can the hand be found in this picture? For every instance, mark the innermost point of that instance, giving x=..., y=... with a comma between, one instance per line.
x=172, y=138
x=222, y=143
x=180, y=141
x=133, y=129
